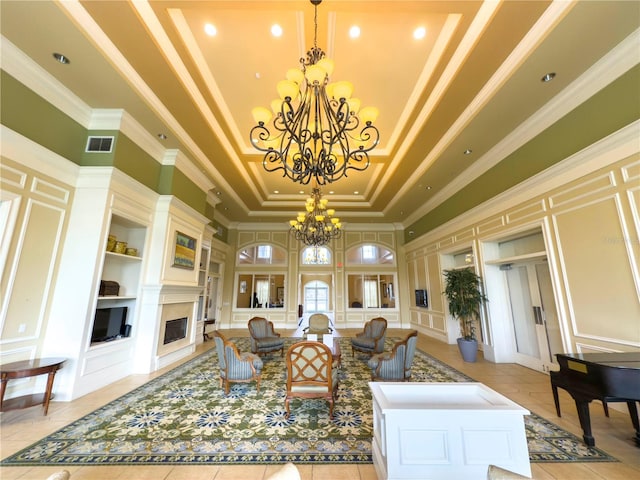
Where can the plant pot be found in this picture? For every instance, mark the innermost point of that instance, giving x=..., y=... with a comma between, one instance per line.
x=468, y=349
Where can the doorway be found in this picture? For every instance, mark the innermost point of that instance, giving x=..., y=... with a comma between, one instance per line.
x=536, y=331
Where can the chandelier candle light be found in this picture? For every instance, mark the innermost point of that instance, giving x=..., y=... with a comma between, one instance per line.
x=317, y=226
x=319, y=131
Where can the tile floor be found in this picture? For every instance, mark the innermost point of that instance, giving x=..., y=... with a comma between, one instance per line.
x=527, y=387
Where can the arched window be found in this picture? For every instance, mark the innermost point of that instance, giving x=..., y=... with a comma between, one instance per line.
x=370, y=255
x=316, y=256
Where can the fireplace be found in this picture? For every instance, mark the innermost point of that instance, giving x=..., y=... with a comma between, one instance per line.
x=175, y=330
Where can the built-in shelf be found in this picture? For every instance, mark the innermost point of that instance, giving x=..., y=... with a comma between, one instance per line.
x=116, y=297
x=121, y=256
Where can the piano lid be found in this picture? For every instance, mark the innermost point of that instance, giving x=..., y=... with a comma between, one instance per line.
x=613, y=359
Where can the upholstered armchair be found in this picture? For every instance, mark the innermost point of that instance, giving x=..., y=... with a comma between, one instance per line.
x=236, y=367
x=371, y=339
x=311, y=373
x=318, y=324
x=264, y=339
x=395, y=366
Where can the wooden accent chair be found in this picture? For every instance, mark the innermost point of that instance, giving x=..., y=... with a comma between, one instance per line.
x=236, y=367
x=264, y=339
x=395, y=366
x=311, y=373
x=318, y=324
x=371, y=339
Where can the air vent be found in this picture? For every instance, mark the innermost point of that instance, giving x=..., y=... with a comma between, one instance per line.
x=99, y=144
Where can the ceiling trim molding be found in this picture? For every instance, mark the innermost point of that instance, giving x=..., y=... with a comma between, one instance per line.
x=24, y=69
x=618, y=145
x=446, y=34
x=617, y=62
x=546, y=22
x=86, y=23
x=182, y=162
x=478, y=25
x=21, y=149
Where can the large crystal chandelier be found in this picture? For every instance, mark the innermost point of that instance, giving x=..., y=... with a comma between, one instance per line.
x=317, y=226
x=319, y=131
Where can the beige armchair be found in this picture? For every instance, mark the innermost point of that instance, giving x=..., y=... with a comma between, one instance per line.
x=311, y=373
x=318, y=324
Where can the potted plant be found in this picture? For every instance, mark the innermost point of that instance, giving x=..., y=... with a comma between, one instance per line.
x=463, y=289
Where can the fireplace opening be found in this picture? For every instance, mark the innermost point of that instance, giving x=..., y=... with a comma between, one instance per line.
x=175, y=330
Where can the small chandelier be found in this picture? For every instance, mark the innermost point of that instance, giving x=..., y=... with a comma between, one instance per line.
x=317, y=226
x=318, y=131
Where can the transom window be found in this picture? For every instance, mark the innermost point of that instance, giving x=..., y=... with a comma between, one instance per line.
x=370, y=255
x=262, y=255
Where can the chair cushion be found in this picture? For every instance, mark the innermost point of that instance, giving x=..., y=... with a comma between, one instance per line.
x=363, y=342
x=288, y=472
x=270, y=342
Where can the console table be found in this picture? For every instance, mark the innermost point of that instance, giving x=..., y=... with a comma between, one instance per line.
x=205, y=334
x=29, y=368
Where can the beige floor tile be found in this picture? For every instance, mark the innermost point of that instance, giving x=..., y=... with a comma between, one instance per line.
x=336, y=472
x=240, y=472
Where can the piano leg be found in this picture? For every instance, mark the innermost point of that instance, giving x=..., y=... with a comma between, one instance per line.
x=585, y=420
x=633, y=413
x=556, y=400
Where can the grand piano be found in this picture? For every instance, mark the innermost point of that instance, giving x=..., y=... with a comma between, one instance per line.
x=608, y=377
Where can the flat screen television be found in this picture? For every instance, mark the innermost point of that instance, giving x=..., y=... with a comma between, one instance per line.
x=108, y=323
x=421, y=298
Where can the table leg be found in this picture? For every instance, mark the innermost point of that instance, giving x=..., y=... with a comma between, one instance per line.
x=2, y=389
x=47, y=393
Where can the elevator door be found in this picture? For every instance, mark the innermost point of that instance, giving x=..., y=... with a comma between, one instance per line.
x=537, y=336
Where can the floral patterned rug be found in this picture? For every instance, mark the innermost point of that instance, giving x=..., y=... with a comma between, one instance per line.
x=184, y=417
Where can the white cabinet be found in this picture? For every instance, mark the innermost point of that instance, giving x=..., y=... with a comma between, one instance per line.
x=445, y=431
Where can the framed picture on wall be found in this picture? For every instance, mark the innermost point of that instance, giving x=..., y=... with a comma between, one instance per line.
x=185, y=251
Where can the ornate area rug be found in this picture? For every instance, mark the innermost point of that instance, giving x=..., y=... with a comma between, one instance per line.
x=184, y=417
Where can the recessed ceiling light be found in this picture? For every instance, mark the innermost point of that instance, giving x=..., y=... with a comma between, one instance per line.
x=162, y=136
x=301, y=191
x=210, y=30
x=276, y=191
x=356, y=192
x=276, y=30
x=331, y=192
x=429, y=187
x=419, y=33
x=61, y=58
x=467, y=151
x=548, y=77
x=354, y=32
